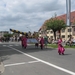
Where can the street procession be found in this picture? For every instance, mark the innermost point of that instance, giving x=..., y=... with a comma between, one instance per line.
x=29, y=38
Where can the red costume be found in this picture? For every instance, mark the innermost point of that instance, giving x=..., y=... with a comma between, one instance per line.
x=60, y=47
x=41, y=42
x=24, y=41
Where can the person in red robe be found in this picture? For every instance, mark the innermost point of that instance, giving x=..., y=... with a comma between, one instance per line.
x=42, y=42
x=24, y=41
x=61, y=49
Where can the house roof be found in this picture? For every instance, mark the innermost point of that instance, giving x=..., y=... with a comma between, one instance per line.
x=63, y=17
x=72, y=17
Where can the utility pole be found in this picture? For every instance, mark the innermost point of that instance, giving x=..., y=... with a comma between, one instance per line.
x=68, y=11
x=68, y=18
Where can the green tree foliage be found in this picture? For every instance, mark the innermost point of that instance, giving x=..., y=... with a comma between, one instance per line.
x=8, y=35
x=56, y=25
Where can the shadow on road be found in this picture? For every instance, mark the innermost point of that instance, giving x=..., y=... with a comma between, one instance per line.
x=67, y=54
x=30, y=49
x=5, y=52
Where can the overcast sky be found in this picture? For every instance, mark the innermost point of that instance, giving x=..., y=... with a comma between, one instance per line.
x=29, y=15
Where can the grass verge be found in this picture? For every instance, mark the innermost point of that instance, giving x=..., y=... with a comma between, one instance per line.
x=56, y=46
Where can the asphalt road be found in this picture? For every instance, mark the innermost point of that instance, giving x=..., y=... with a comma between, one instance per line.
x=34, y=61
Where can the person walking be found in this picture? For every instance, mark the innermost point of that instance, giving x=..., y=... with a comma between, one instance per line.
x=24, y=41
x=42, y=42
x=61, y=49
x=37, y=42
x=45, y=41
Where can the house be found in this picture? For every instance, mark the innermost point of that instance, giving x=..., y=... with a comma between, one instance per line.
x=65, y=33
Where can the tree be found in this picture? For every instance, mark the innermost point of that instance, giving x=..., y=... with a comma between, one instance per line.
x=8, y=35
x=56, y=25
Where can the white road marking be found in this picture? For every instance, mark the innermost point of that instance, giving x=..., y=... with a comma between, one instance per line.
x=10, y=45
x=45, y=62
x=20, y=63
x=4, y=45
x=16, y=45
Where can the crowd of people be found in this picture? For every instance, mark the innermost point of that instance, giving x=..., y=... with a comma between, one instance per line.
x=42, y=42
x=71, y=41
x=8, y=39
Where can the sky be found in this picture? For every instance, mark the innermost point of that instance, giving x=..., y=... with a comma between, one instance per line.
x=29, y=15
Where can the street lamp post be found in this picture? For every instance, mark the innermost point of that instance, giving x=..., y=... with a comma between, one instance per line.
x=68, y=12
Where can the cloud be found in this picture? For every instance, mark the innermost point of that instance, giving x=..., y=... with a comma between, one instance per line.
x=29, y=15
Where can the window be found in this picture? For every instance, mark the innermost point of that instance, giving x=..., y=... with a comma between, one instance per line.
x=63, y=36
x=69, y=36
x=51, y=37
x=63, y=30
x=51, y=31
x=69, y=30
